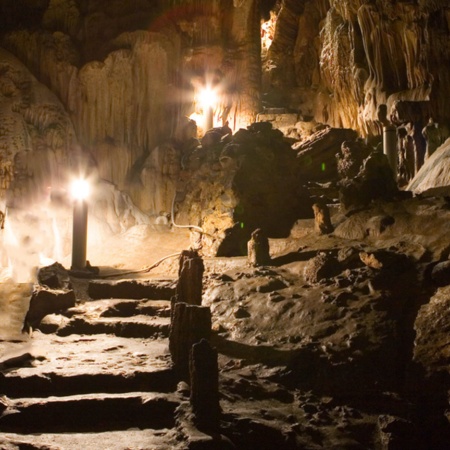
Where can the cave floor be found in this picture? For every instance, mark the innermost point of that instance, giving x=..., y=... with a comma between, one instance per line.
x=344, y=362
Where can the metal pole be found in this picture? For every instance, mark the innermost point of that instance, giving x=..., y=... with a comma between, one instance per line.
x=390, y=146
x=79, y=235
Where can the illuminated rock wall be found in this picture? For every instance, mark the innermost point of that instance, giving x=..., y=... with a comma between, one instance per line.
x=126, y=73
x=37, y=139
x=338, y=61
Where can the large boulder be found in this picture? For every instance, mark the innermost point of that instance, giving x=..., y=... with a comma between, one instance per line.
x=245, y=182
x=434, y=176
x=317, y=155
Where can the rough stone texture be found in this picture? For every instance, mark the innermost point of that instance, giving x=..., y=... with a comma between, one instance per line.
x=158, y=290
x=258, y=250
x=14, y=304
x=127, y=73
x=51, y=323
x=432, y=325
x=375, y=181
x=322, y=221
x=54, y=277
x=378, y=225
x=316, y=155
x=235, y=187
x=440, y=273
x=434, y=176
x=351, y=157
x=349, y=64
x=46, y=301
x=321, y=267
x=342, y=60
x=38, y=143
x=396, y=433
x=330, y=360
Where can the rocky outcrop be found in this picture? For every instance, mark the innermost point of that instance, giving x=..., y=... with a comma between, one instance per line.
x=431, y=344
x=317, y=154
x=250, y=181
x=434, y=177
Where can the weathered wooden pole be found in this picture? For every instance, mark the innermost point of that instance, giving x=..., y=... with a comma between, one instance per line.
x=204, y=376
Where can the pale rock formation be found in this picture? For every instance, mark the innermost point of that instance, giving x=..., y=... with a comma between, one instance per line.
x=434, y=176
x=37, y=143
x=431, y=347
x=158, y=180
x=126, y=71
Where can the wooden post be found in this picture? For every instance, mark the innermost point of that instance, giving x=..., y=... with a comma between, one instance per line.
x=204, y=374
x=322, y=221
x=190, y=324
x=258, y=249
x=190, y=278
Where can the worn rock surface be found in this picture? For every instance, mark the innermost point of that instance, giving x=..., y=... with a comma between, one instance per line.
x=350, y=360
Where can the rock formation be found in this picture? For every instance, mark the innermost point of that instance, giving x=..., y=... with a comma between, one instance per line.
x=337, y=337
x=342, y=60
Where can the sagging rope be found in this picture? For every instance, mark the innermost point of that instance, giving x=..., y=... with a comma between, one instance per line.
x=144, y=270
x=157, y=263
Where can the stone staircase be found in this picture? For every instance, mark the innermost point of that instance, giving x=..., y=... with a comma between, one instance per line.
x=96, y=376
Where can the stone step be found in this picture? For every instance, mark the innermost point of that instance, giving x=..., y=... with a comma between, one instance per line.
x=125, y=318
x=54, y=365
x=90, y=413
x=58, y=384
x=161, y=439
x=122, y=308
x=132, y=289
x=130, y=327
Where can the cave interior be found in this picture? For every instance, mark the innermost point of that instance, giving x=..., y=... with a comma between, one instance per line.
x=261, y=260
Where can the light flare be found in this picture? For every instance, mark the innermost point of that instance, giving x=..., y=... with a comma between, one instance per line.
x=208, y=98
x=80, y=189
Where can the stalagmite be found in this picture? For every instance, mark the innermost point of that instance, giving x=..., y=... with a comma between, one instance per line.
x=322, y=221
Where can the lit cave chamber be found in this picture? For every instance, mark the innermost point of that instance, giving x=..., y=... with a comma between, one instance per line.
x=257, y=252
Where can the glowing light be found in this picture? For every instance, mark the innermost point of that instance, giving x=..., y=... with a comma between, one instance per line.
x=80, y=189
x=208, y=98
x=196, y=117
x=324, y=167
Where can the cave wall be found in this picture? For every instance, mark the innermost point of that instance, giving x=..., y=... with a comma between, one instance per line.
x=338, y=61
x=126, y=71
